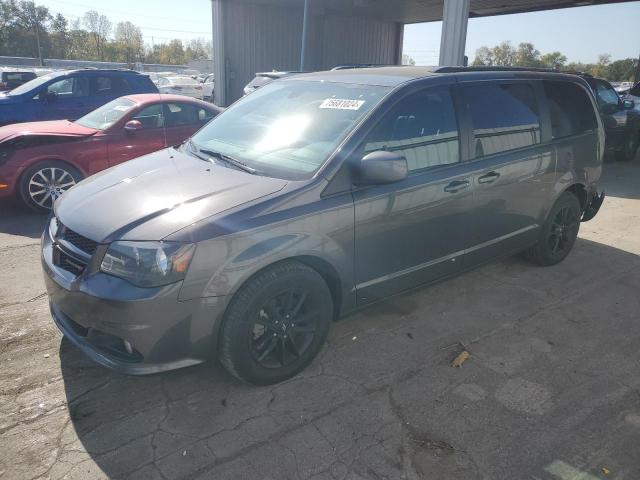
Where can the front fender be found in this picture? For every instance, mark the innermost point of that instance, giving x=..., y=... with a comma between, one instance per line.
x=223, y=264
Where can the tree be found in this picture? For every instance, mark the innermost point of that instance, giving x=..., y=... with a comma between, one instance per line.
x=622, y=70
x=60, y=41
x=483, y=57
x=99, y=27
x=198, y=49
x=172, y=53
x=600, y=68
x=526, y=55
x=129, y=42
x=553, y=60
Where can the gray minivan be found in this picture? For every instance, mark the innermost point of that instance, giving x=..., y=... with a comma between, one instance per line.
x=310, y=198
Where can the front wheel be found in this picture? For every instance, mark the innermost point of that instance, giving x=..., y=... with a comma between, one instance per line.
x=276, y=324
x=44, y=182
x=558, y=233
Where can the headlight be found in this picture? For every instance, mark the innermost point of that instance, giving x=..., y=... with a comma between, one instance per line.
x=148, y=264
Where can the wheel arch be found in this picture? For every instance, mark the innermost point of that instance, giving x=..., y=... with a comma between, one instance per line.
x=580, y=191
x=49, y=159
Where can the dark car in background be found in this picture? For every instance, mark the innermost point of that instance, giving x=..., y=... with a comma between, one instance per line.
x=263, y=78
x=620, y=117
x=39, y=161
x=10, y=80
x=314, y=196
x=69, y=94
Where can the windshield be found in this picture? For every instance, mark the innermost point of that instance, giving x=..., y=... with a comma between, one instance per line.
x=182, y=80
x=108, y=114
x=289, y=128
x=33, y=84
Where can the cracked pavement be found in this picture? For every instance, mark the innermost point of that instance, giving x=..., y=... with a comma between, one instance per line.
x=551, y=390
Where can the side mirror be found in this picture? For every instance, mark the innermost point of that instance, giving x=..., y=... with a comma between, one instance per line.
x=628, y=104
x=133, y=126
x=381, y=167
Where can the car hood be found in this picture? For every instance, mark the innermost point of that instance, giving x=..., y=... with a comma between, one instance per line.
x=62, y=128
x=156, y=195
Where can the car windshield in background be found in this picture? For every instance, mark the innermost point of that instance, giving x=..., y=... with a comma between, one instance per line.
x=289, y=128
x=108, y=114
x=31, y=84
x=182, y=80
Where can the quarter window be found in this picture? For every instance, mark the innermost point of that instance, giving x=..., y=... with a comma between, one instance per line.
x=570, y=109
x=504, y=117
x=422, y=127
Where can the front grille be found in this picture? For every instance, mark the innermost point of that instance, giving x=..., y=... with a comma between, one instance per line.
x=75, y=239
x=64, y=256
x=67, y=262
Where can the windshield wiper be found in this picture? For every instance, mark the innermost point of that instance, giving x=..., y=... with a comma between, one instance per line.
x=230, y=160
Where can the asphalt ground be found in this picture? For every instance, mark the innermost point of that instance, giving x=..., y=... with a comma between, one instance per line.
x=551, y=390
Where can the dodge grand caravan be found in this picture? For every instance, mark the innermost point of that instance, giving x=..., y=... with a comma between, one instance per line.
x=312, y=197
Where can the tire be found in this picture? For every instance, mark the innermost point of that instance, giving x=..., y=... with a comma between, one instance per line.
x=559, y=232
x=42, y=183
x=628, y=151
x=254, y=345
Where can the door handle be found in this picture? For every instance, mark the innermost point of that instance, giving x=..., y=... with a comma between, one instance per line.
x=456, y=186
x=488, y=177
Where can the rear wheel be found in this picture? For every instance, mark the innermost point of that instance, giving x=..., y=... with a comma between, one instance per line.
x=559, y=232
x=44, y=182
x=276, y=324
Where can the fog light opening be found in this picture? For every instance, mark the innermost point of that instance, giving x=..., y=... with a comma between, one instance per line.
x=128, y=347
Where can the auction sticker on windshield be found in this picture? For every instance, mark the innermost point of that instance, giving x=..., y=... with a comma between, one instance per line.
x=342, y=104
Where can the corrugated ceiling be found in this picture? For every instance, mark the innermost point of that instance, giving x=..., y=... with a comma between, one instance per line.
x=413, y=11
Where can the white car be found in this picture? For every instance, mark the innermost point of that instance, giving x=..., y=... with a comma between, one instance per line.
x=207, y=87
x=180, y=85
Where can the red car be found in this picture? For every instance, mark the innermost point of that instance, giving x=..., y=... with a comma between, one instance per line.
x=40, y=160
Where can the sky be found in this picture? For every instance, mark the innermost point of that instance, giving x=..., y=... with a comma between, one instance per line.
x=581, y=33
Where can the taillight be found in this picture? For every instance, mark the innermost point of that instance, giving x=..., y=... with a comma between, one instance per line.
x=4, y=85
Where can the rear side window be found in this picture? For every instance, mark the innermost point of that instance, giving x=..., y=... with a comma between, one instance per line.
x=422, y=127
x=111, y=86
x=570, y=109
x=177, y=114
x=504, y=117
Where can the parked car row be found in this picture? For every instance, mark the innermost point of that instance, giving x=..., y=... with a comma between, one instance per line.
x=40, y=160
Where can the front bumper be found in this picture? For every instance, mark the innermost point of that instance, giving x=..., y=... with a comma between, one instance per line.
x=99, y=313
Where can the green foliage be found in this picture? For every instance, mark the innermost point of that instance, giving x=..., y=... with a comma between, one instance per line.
x=526, y=55
x=92, y=37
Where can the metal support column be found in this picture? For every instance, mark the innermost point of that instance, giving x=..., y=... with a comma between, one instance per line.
x=305, y=35
x=455, y=17
x=218, y=51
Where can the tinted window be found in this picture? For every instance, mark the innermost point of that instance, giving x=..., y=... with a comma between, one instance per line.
x=111, y=86
x=422, y=127
x=177, y=114
x=151, y=116
x=570, y=108
x=606, y=94
x=635, y=91
x=504, y=117
x=70, y=87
